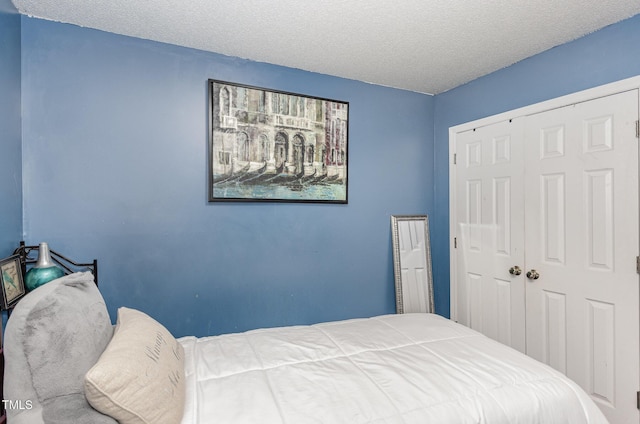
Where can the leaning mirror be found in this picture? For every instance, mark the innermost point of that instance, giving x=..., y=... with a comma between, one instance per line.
x=412, y=263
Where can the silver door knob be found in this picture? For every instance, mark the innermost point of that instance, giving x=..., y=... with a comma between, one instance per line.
x=515, y=270
x=533, y=275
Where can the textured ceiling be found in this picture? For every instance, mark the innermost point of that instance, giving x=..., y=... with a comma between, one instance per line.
x=428, y=46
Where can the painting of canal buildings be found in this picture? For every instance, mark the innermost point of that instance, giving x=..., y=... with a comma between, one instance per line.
x=275, y=146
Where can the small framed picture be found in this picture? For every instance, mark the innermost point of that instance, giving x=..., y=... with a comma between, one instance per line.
x=11, y=280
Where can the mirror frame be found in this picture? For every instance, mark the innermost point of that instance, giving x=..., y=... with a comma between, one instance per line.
x=428, y=302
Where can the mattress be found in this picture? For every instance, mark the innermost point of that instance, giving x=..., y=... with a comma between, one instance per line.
x=408, y=368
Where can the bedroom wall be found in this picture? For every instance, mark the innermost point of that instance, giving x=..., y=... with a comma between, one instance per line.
x=10, y=130
x=114, y=156
x=602, y=57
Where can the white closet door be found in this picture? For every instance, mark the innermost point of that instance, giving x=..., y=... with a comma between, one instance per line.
x=490, y=232
x=582, y=235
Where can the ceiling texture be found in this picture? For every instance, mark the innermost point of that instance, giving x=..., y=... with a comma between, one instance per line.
x=427, y=46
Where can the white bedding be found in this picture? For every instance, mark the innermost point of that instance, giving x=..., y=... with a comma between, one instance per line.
x=409, y=368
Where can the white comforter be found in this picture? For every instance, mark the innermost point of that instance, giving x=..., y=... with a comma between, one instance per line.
x=410, y=368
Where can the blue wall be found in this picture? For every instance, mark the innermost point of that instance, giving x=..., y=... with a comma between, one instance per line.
x=10, y=130
x=114, y=138
x=114, y=157
x=608, y=55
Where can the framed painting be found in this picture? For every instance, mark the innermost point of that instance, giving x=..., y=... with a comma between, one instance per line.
x=11, y=281
x=274, y=146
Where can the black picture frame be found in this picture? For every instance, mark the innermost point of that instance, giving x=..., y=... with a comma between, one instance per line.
x=13, y=288
x=275, y=146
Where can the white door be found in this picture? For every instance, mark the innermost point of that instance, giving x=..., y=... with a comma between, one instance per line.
x=489, y=205
x=582, y=240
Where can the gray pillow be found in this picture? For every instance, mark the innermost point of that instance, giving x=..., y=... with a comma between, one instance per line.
x=54, y=335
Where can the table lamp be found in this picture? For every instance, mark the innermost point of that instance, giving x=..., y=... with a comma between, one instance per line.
x=44, y=270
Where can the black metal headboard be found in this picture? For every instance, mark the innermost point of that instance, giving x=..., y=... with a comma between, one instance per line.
x=29, y=255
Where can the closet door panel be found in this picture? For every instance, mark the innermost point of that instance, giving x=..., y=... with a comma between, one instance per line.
x=489, y=231
x=553, y=218
x=582, y=239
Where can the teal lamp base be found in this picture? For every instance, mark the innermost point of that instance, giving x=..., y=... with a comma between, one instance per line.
x=43, y=271
x=36, y=277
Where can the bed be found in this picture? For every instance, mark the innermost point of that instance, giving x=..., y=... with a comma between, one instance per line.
x=64, y=357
